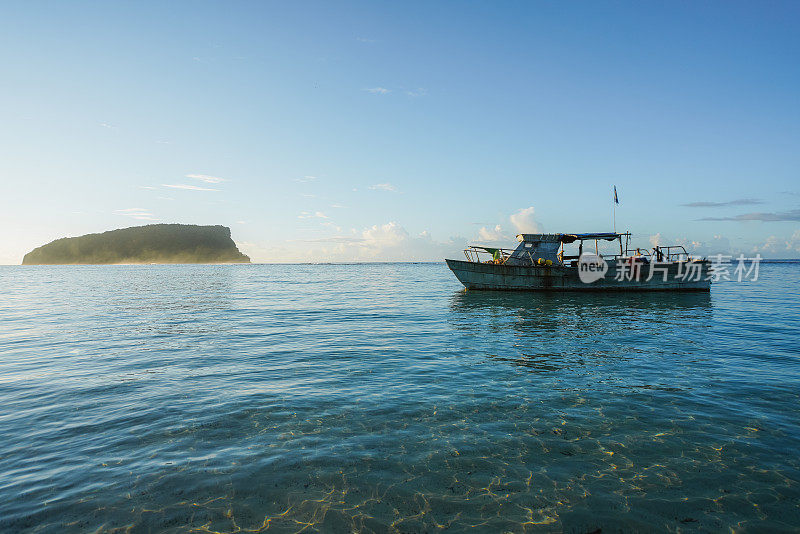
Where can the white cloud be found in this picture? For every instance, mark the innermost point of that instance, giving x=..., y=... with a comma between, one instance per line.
x=656, y=240
x=329, y=224
x=379, y=242
x=384, y=187
x=492, y=234
x=718, y=244
x=388, y=235
x=188, y=187
x=365, y=40
x=306, y=179
x=783, y=247
x=206, y=178
x=377, y=90
x=772, y=245
x=794, y=242
x=140, y=214
x=524, y=221
x=309, y=215
x=419, y=91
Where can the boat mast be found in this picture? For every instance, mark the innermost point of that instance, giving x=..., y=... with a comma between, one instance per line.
x=614, y=203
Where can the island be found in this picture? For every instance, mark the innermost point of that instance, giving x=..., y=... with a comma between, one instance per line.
x=152, y=243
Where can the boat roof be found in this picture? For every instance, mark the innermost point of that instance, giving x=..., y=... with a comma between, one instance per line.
x=568, y=238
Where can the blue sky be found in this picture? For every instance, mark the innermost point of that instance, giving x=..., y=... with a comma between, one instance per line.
x=401, y=131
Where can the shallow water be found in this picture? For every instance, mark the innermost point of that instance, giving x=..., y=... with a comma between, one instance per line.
x=345, y=398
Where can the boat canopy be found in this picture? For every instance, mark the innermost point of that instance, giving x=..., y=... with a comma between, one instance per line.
x=607, y=236
x=566, y=238
x=539, y=238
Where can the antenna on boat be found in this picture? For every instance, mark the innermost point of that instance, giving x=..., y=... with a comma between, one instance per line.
x=614, y=209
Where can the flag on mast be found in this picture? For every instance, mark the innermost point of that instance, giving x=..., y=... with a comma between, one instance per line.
x=616, y=200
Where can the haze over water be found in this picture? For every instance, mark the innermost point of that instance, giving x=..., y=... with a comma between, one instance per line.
x=383, y=397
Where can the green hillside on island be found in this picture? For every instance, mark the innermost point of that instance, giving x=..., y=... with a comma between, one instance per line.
x=153, y=243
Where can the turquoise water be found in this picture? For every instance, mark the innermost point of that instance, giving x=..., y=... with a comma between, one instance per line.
x=377, y=398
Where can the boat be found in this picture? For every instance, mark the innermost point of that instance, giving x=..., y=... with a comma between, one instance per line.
x=544, y=262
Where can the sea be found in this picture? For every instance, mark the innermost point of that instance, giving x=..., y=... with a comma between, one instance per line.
x=386, y=398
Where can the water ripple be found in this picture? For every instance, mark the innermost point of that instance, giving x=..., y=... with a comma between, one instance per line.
x=382, y=398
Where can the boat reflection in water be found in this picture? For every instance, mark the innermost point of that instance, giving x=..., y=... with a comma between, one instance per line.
x=549, y=331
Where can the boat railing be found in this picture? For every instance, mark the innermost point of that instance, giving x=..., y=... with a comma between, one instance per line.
x=671, y=253
x=477, y=254
x=660, y=254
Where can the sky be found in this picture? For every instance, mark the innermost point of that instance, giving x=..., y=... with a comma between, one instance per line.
x=402, y=131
